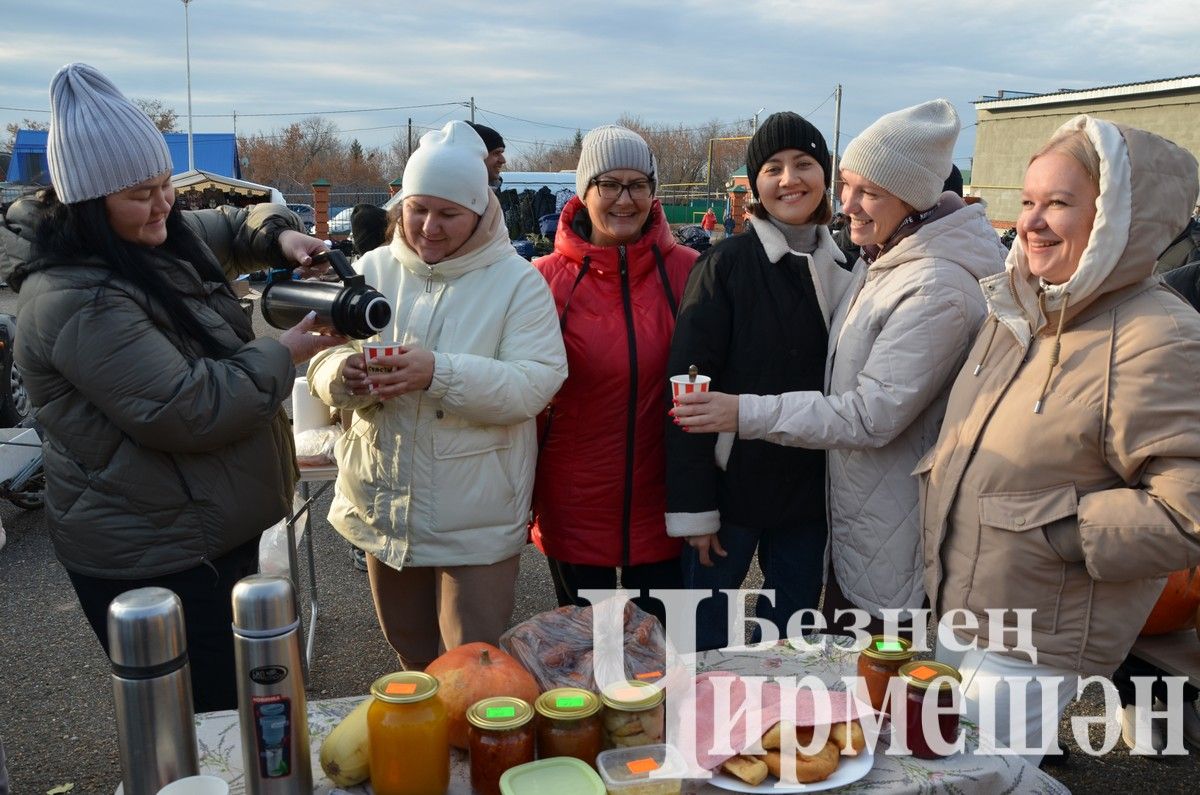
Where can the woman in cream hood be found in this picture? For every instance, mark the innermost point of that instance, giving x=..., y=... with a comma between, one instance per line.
x=1066, y=479
x=436, y=472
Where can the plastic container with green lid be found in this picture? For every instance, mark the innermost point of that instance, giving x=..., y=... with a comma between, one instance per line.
x=656, y=769
x=561, y=775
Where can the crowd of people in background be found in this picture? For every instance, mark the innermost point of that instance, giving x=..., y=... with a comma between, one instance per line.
x=934, y=420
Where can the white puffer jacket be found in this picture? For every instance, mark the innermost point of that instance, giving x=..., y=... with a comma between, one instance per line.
x=444, y=477
x=899, y=335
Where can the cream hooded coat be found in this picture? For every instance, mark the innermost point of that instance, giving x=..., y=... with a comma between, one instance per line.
x=900, y=332
x=1078, y=511
x=443, y=477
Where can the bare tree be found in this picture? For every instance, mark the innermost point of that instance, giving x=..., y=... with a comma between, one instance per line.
x=164, y=118
x=293, y=158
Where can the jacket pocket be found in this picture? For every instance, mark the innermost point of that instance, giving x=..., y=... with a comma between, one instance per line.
x=361, y=472
x=921, y=473
x=470, y=479
x=1017, y=569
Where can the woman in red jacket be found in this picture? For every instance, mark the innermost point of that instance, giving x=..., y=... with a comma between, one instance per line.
x=617, y=275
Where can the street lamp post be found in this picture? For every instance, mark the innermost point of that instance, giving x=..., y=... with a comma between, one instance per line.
x=755, y=129
x=187, y=33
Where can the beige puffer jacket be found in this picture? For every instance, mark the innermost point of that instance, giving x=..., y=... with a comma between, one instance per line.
x=444, y=477
x=898, y=335
x=1078, y=511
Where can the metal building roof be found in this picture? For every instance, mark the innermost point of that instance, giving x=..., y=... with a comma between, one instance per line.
x=1087, y=94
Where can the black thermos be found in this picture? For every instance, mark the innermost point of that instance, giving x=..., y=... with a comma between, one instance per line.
x=353, y=307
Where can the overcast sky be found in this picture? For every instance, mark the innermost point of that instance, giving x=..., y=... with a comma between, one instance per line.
x=571, y=65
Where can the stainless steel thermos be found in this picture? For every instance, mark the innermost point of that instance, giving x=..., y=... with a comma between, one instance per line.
x=272, y=707
x=152, y=688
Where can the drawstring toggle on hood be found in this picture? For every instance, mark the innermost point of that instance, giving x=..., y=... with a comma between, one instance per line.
x=1055, y=349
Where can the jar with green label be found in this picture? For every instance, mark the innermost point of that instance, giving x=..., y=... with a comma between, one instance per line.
x=568, y=724
x=500, y=736
x=879, y=663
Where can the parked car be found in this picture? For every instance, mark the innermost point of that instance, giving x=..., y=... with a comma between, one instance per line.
x=307, y=213
x=14, y=399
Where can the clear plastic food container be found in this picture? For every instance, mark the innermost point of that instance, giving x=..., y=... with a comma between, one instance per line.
x=646, y=770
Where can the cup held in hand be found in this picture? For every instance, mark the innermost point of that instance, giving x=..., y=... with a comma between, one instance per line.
x=684, y=385
x=373, y=350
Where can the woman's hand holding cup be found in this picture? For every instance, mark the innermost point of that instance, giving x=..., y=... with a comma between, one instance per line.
x=400, y=371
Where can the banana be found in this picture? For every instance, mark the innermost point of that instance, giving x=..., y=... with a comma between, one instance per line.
x=345, y=753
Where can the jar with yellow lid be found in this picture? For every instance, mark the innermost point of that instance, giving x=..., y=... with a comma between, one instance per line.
x=634, y=714
x=409, y=736
x=500, y=737
x=922, y=676
x=879, y=663
x=569, y=724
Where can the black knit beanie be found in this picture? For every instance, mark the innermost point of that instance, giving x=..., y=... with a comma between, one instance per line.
x=491, y=138
x=785, y=130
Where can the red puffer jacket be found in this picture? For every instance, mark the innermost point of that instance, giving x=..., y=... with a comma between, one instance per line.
x=600, y=494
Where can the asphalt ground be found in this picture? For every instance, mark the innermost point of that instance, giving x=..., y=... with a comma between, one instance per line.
x=56, y=712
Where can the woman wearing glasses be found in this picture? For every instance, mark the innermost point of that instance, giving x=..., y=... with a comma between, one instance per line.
x=617, y=275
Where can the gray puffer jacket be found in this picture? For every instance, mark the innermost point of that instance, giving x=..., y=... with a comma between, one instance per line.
x=157, y=458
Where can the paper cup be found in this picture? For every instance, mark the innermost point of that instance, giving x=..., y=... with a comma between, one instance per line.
x=684, y=385
x=196, y=785
x=373, y=350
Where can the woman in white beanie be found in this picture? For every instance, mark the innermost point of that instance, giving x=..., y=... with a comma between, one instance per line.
x=167, y=449
x=617, y=275
x=436, y=472
x=899, y=334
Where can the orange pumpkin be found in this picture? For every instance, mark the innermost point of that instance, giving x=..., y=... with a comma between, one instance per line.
x=475, y=671
x=1176, y=608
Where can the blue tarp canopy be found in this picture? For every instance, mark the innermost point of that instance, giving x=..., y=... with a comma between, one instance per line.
x=216, y=153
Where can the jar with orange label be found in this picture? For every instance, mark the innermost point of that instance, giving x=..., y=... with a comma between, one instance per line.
x=634, y=714
x=879, y=663
x=500, y=737
x=927, y=682
x=409, y=736
x=568, y=724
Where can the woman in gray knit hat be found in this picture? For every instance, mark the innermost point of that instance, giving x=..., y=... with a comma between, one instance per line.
x=617, y=275
x=167, y=450
x=899, y=328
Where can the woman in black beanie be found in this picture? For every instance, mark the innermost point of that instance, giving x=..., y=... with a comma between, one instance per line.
x=753, y=318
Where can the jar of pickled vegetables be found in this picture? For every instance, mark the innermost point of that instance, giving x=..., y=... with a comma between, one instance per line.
x=879, y=663
x=634, y=714
x=569, y=724
x=922, y=676
x=500, y=737
x=409, y=736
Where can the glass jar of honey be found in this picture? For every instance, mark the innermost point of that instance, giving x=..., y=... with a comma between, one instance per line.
x=634, y=714
x=569, y=724
x=500, y=737
x=878, y=664
x=920, y=677
x=409, y=736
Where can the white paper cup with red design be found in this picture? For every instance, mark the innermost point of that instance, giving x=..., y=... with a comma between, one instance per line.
x=685, y=385
x=373, y=350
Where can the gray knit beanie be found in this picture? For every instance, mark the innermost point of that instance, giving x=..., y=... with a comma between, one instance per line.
x=608, y=148
x=908, y=152
x=100, y=142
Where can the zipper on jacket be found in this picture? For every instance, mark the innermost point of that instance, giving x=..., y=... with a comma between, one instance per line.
x=631, y=415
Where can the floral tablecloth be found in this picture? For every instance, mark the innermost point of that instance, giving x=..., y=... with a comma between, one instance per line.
x=221, y=754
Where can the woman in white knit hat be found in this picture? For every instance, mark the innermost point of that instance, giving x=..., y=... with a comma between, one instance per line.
x=167, y=450
x=899, y=334
x=436, y=472
x=617, y=275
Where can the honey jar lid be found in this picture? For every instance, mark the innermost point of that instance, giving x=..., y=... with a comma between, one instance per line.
x=567, y=703
x=632, y=695
x=501, y=713
x=923, y=673
x=888, y=647
x=404, y=687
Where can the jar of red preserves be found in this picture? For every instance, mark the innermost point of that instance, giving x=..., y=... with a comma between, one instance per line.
x=568, y=724
x=922, y=678
x=879, y=663
x=500, y=737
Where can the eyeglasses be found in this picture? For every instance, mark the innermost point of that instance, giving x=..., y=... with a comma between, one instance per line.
x=611, y=189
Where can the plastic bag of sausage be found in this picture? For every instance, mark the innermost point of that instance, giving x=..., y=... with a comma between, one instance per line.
x=589, y=648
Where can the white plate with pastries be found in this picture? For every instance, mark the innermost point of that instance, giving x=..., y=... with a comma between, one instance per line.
x=850, y=769
x=761, y=773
